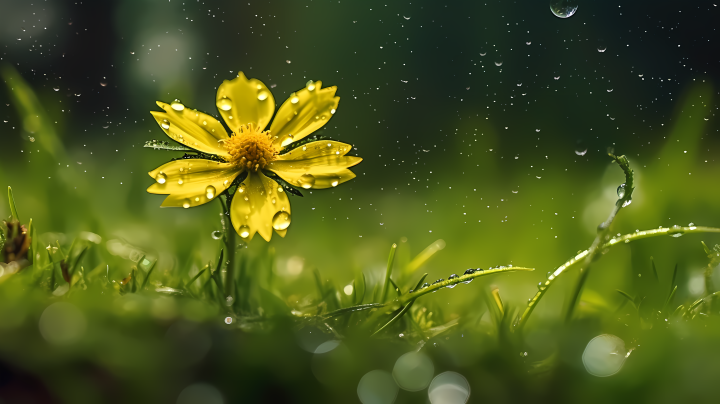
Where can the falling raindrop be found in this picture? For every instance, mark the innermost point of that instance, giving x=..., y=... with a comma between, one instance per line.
x=580, y=151
x=498, y=62
x=602, y=48
x=563, y=8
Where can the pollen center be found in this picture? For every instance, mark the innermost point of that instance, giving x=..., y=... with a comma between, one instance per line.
x=250, y=149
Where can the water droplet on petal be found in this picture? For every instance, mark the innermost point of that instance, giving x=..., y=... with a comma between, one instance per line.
x=224, y=104
x=165, y=124
x=177, y=105
x=186, y=203
x=306, y=181
x=335, y=183
x=287, y=140
x=310, y=85
x=281, y=220
x=161, y=177
x=180, y=182
x=210, y=192
x=263, y=95
x=294, y=99
x=244, y=231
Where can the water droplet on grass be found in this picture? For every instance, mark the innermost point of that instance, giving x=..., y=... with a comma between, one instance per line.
x=621, y=191
x=216, y=235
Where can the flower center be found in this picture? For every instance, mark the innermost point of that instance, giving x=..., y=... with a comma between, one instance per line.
x=250, y=149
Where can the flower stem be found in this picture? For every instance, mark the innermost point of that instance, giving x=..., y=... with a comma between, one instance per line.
x=229, y=238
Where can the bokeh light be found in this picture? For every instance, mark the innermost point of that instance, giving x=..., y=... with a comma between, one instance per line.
x=449, y=388
x=200, y=393
x=604, y=355
x=62, y=323
x=377, y=387
x=413, y=371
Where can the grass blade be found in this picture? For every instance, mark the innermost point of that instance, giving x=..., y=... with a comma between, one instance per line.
x=652, y=261
x=13, y=209
x=147, y=277
x=627, y=296
x=394, y=319
x=672, y=283
x=388, y=272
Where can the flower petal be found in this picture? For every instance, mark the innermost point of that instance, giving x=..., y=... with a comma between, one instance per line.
x=192, y=128
x=306, y=111
x=260, y=205
x=192, y=182
x=316, y=173
x=317, y=149
x=242, y=102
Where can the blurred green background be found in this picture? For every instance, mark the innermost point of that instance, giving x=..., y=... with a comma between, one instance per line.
x=481, y=124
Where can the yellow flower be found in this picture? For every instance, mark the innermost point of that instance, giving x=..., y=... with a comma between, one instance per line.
x=260, y=204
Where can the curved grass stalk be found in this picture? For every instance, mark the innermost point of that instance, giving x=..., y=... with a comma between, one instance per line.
x=407, y=299
x=662, y=231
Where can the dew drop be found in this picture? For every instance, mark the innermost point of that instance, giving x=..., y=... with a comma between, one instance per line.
x=294, y=98
x=287, y=140
x=210, y=192
x=165, y=124
x=602, y=49
x=263, y=95
x=310, y=85
x=224, y=104
x=161, y=177
x=335, y=183
x=216, y=235
x=306, y=181
x=451, y=277
x=498, y=62
x=281, y=220
x=177, y=105
x=186, y=203
x=180, y=182
x=244, y=231
x=621, y=191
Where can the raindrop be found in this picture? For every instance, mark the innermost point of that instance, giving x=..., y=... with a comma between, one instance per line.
x=161, y=177
x=604, y=355
x=210, y=192
x=676, y=231
x=281, y=220
x=294, y=98
x=527, y=43
x=334, y=183
x=186, y=203
x=563, y=8
x=424, y=285
x=602, y=48
x=498, y=62
x=224, y=104
x=438, y=281
x=244, y=231
x=580, y=151
x=216, y=235
x=310, y=85
x=165, y=124
x=306, y=181
x=451, y=277
x=263, y=95
x=407, y=18
x=177, y=105
x=621, y=191
x=228, y=320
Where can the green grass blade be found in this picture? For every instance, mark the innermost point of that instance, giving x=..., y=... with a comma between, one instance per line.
x=352, y=309
x=194, y=278
x=394, y=319
x=628, y=297
x=397, y=289
x=388, y=272
x=420, y=282
x=672, y=283
x=652, y=261
x=13, y=209
x=147, y=277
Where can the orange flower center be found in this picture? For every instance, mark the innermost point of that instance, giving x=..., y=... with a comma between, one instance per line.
x=250, y=149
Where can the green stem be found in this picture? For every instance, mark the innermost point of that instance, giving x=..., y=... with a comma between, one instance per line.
x=388, y=272
x=662, y=231
x=230, y=248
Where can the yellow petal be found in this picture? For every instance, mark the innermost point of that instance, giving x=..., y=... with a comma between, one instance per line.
x=192, y=128
x=242, y=102
x=260, y=205
x=314, y=174
x=317, y=149
x=303, y=113
x=192, y=182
